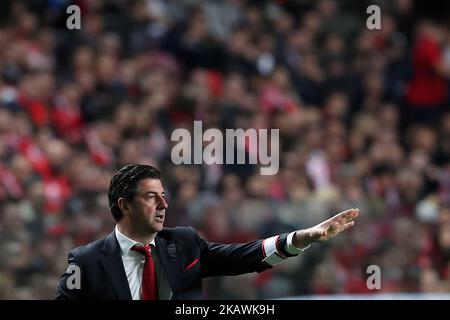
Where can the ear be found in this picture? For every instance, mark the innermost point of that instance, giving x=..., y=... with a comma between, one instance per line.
x=124, y=206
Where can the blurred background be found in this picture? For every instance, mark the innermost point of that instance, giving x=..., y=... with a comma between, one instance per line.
x=363, y=115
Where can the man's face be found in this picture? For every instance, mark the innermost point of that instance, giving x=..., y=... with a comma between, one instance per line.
x=149, y=206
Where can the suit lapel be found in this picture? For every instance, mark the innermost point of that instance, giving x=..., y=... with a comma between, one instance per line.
x=113, y=265
x=167, y=252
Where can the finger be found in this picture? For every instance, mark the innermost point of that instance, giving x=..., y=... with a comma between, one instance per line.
x=351, y=217
x=347, y=215
x=348, y=225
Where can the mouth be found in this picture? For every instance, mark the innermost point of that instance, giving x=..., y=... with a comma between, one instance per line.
x=159, y=217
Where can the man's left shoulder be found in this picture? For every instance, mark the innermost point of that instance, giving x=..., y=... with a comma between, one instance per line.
x=178, y=233
x=182, y=236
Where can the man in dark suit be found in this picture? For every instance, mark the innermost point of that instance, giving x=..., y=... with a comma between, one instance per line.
x=142, y=260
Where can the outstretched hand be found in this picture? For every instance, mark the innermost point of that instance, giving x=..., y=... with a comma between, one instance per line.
x=326, y=229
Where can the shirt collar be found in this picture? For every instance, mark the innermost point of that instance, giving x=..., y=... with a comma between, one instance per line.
x=126, y=243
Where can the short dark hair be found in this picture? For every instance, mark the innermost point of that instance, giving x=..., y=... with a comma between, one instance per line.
x=124, y=185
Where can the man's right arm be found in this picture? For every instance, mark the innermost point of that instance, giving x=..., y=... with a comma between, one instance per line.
x=70, y=283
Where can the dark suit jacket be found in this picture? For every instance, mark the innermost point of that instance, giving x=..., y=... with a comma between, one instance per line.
x=185, y=256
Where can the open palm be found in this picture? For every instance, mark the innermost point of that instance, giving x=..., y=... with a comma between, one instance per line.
x=333, y=226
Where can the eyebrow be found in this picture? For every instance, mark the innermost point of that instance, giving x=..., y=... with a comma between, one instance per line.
x=154, y=193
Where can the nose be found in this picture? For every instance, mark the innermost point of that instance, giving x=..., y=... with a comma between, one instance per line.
x=162, y=203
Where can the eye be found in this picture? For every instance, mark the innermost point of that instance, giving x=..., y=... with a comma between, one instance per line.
x=150, y=197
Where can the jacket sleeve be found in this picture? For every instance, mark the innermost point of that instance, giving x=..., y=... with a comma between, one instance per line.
x=70, y=284
x=219, y=259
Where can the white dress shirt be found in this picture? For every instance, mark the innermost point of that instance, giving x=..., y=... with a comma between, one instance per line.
x=133, y=263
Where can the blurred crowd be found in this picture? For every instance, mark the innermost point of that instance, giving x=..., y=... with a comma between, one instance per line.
x=363, y=117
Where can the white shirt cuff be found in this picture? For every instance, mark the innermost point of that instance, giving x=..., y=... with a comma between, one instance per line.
x=271, y=254
x=290, y=246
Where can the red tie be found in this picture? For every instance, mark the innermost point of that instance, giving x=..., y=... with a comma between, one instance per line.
x=148, y=285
